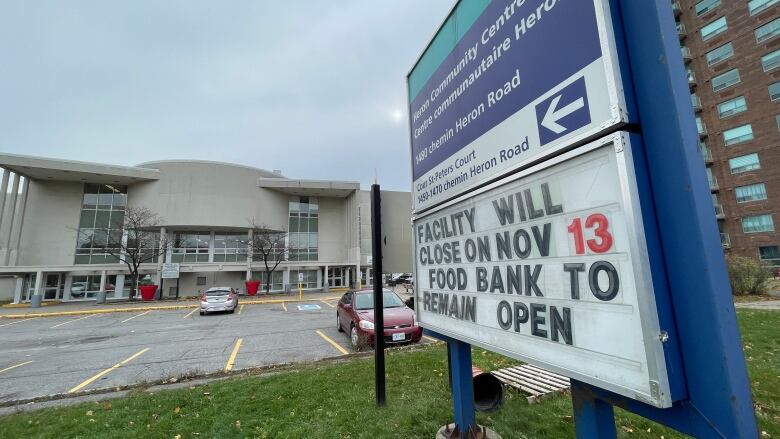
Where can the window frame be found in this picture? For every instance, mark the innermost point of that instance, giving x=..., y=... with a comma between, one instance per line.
x=776, y=59
x=711, y=5
x=757, y=164
x=742, y=138
x=762, y=215
x=727, y=85
x=732, y=111
x=745, y=199
x=774, y=25
x=716, y=31
x=761, y=6
x=711, y=63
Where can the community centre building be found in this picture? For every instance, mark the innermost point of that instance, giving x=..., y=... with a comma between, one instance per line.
x=57, y=217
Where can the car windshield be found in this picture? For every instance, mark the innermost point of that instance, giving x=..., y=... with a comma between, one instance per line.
x=217, y=292
x=366, y=300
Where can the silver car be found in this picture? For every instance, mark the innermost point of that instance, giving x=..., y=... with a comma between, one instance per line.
x=218, y=299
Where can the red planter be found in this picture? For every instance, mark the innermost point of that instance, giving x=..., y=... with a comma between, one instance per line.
x=148, y=291
x=251, y=287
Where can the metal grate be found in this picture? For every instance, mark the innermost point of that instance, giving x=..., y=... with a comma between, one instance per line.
x=533, y=381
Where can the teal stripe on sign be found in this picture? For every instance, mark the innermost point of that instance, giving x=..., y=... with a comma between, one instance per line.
x=457, y=24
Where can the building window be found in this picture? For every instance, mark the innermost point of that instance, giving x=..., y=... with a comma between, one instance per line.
x=732, y=107
x=768, y=30
x=774, y=91
x=722, y=53
x=717, y=27
x=758, y=224
x=277, y=279
x=229, y=247
x=753, y=192
x=738, y=135
x=725, y=80
x=87, y=287
x=756, y=6
x=336, y=277
x=309, y=278
x=770, y=254
x=304, y=229
x=191, y=247
x=744, y=163
x=101, y=223
x=771, y=60
x=200, y=281
x=705, y=6
x=367, y=276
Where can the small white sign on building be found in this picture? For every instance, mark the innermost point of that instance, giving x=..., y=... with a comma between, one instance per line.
x=170, y=270
x=300, y=277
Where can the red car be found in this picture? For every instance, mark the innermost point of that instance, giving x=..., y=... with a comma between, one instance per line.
x=355, y=313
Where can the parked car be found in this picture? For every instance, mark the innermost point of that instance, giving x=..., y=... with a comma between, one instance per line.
x=399, y=280
x=355, y=314
x=218, y=299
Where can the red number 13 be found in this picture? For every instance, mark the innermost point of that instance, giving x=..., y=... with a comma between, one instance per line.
x=603, y=241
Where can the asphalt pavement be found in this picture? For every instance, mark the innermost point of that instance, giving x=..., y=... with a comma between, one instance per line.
x=57, y=355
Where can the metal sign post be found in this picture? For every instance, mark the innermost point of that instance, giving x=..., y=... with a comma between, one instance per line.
x=379, y=311
x=562, y=215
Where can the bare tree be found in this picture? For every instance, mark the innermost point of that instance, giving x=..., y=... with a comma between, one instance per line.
x=139, y=243
x=269, y=245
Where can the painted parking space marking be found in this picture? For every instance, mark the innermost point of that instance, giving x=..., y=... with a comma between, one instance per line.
x=233, y=355
x=326, y=303
x=335, y=345
x=190, y=313
x=240, y=308
x=71, y=321
x=308, y=307
x=137, y=315
x=15, y=366
x=114, y=367
x=284, y=306
x=18, y=321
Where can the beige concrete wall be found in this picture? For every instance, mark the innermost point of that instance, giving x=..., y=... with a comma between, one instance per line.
x=50, y=223
x=188, y=282
x=206, y=194
x=7, y=288
x=397, y=255
x=333, y=215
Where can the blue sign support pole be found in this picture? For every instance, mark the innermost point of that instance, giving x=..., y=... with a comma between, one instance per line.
x=461, y=381
x=592, y=416
x=717, y=402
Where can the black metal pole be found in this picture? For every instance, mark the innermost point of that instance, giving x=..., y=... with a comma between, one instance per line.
x=379, y=315
x=177, y=287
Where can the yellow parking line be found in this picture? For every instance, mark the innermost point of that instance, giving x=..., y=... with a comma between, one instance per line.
x=137, y=315
x=284, y=306
x=240, y=308
x=326, y=303
x=190, y=313
x=116, y=366
x=15, y=366
x=17, y=321
x=74, y=320
x=232, y=359
x=335, y=345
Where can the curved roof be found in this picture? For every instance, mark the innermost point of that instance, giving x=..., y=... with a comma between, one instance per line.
x=263, y=172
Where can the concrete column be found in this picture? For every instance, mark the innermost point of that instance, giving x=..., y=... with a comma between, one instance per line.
x=327, y=275
x=38, y=283
x=18, y=289
x=348, y=271
x=119, y=287
x=68, y=285
x=319, y=277
x=249, y=254
x=286, y=277
x=211, y=247
x=3, y=193
x=17, y=240
x=6, y=243
x=103, y=280
x=358, y=282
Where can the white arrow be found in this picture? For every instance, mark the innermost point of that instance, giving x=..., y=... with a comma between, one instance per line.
x=553, y=114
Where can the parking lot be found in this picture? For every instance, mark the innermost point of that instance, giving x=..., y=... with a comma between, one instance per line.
x=53, y=355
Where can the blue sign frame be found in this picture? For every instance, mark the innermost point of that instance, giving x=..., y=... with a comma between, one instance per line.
x=707, y=371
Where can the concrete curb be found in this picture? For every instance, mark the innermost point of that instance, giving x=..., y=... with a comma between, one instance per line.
x=152, y=308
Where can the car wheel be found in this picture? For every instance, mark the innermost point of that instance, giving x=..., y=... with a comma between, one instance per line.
x=232, y=311
x=338, y=323
x=354, y=338
x=203, y=313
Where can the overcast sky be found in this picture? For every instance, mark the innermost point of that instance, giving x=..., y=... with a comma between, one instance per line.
x=314, y=88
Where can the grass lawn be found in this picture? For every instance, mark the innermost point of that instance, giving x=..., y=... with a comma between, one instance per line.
x=337, y=401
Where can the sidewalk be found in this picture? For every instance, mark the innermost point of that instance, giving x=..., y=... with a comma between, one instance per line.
x=766, y=304
x=88, y=307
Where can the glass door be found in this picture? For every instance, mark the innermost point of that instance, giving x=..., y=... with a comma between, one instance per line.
x=54, y=287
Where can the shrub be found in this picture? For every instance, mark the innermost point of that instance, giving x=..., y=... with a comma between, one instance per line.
x=747, y=275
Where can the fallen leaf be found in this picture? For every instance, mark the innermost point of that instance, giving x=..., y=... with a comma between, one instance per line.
x=627, y=429
x=178, y=436
x=177, y=410
x=89, y=412
x=238, y=424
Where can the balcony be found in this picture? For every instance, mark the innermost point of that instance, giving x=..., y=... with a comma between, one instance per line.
x=725, y=240
x=681, y=33
x=686, y=54
x=676, y=8
x=696, y=103
x=719, y=214
x=706, y=154
x=713, y=183
x=702, y=128
x=691, y=79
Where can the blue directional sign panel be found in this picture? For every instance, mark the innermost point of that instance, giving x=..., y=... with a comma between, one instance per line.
x=505, y=84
